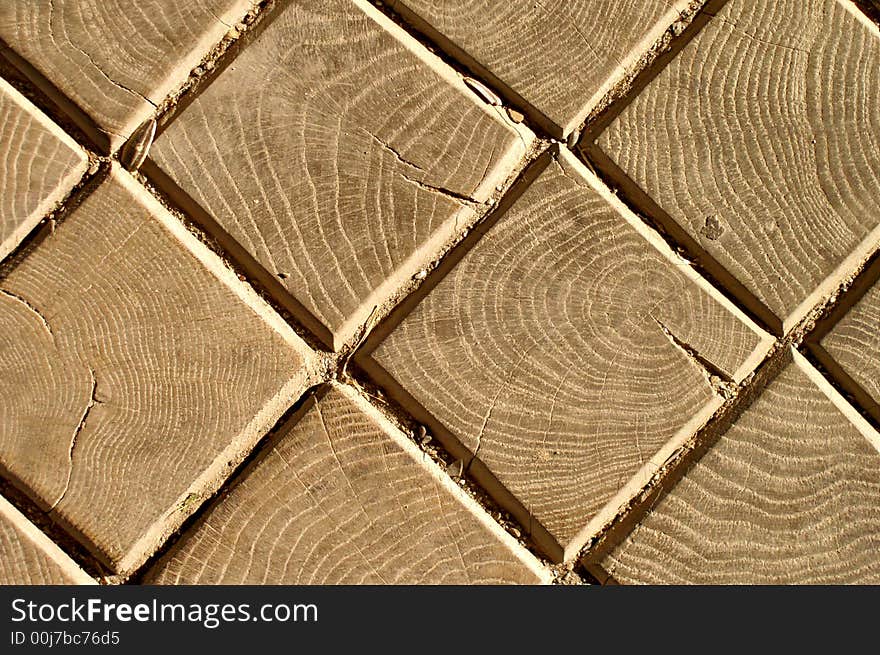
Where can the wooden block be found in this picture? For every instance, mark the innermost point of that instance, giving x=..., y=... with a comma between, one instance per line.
x=116, y=62
x=134, y=369
x=345, y=498
x=572, y=351
x=559, y=57
x=762, y=140
x=39, y=165
x=789, y=495
x=28, y=557
x=341, y=154
x=855, y=342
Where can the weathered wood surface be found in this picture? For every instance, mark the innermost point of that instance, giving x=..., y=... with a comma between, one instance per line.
x=28, y=557
x=39, y=165
x=132, y=370
x=560, y=57
x=855, y=342
x=789, y=495
x=339, y=154
x=345, y=498
x=568, y=350
x=762, y=139
x=116, y=59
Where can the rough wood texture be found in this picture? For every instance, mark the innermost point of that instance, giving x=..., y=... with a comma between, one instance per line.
x=855, y=342
x=560, y=57
x=28, y=557
x=336, y=186
x=791, y=494
x=116, y=59
x=132, y=370
x=762, y=139
x=345, y=498
x=567, y=350
x=39, y=165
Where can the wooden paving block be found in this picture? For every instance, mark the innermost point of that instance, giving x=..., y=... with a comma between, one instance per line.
x=345, y=498
x=28, y=557
x=762, y=140
x=572, y=351
x=789, y=495
x=134, y=369
x=559, y=57
x=116, y=60
x=854, y=343
x=39, y=165
x=341, y=154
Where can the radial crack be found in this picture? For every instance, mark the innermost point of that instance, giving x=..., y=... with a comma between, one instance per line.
x=494, y=402
x=92, y=60
x=220, y=20
x=385, y=145
x=483, y=428
x=79, y=428
x=33, y=310
x=454, y=195
x=468, y=200
x=718, y=379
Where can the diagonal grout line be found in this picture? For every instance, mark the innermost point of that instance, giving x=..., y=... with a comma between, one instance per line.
x=261, y=450
x=850, y=390
x=673, y=42
x=63, y=111
x=171, y=105
x=852, y=412
x=216, y=60
x=676, y=39
x=466, y=66
x=174, y=103
x=660, y=222
x=94, y=175
x=377, y=387
x=653, y=56
x=187, y=210
x=37, y=515
x=870, y=8
x=826, y=311
x=862, y=281
x=468, y=238
x=822, y=360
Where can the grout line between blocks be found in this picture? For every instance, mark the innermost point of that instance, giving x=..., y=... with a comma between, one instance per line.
x=786, y=349
x=631, y=83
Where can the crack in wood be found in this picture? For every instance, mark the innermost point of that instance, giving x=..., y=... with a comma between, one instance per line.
x=455, y=195
x=95, y=64
x=32, y=309
x=721, y=383
x=79, y=428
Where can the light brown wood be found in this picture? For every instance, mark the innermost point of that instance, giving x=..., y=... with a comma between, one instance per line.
x=790, y=495
x=345, y=498
x=39, y=165
x=855, y=342
x=571, y=350
x=116, y=60
x=28, y=557
x=558, y=57
x=762, y=139
x=136, y=370
x=339, y=188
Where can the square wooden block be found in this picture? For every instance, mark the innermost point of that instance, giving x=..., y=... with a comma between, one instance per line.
x=571, y=352
x=135, y=369
x=341, y=155
x=343, y=497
